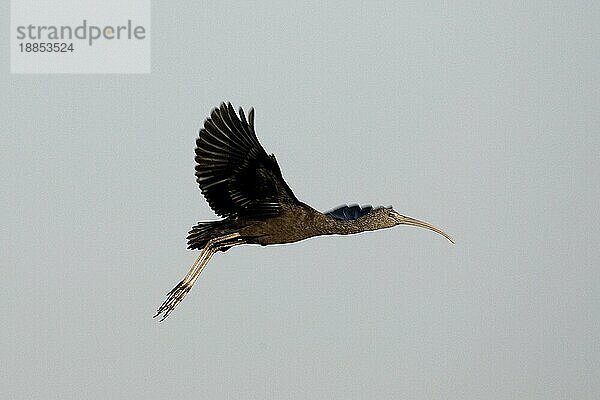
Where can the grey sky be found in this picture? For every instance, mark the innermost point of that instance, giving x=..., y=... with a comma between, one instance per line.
x=481, y=119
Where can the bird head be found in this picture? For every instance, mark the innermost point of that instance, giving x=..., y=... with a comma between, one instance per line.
x=394, y=218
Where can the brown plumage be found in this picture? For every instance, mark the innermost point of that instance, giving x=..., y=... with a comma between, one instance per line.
x=244, y=185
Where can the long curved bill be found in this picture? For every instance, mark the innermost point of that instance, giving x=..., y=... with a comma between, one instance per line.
x=421, y=224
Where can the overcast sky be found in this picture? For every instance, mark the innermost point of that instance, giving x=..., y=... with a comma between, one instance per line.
x=480, y=119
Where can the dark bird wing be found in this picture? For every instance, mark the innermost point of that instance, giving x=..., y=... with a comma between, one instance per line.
x=349, y=213
x=235, y=174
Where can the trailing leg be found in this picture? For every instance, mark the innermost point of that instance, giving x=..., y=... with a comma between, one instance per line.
x=176, y=295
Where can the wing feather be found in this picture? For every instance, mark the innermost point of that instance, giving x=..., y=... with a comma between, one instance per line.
x=235, y=174
x=349, y=213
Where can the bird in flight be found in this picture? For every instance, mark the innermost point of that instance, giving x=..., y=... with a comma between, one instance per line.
x=243, y=185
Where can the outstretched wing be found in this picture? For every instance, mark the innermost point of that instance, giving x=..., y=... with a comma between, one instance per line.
x=235, y=174
x=348, y=213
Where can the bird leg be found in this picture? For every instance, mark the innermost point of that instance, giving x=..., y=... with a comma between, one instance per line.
x=176, y=295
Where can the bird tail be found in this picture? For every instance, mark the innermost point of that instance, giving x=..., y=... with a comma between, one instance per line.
x=202, y=232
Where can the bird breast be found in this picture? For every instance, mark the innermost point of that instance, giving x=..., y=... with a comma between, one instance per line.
x=290, y=226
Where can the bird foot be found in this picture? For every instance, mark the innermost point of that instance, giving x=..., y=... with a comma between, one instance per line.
x=174, y=297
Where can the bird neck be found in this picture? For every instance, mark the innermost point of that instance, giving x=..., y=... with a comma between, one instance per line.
x=333, y=226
